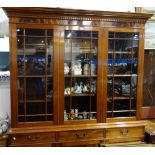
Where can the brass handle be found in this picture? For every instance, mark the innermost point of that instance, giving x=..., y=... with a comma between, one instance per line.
x=14, y=138
x=81, y=135
x=124, y=132
x=32, y=137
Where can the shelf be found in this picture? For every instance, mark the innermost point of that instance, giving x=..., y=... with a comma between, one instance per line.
x=118, y=111
x=121, y=52
x=81, y=76
x=79, y=95
x=31, y=115
x=120, y=98
x=32, y=101
x=88, y=38
x=33, y=76
x=34, y=36
x=122, y=75
x=123, y=39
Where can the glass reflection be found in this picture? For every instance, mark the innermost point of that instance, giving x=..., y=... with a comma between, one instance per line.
x=35, y=88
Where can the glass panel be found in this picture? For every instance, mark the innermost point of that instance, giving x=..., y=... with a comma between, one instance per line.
x=122, y=86
x=81, y=85
x=121, y=105
x=35, y=118
x=93, y=108
x=121, y=114
x=111, y=34
x=122, y=74
x=124, y=35
x=35, y=84
x=133, y=104
x=81, y=34
x=81, y=56
x=110, y=105
x=34, y=32
x=49, y=89
x=21, y=89
x=49, y=58
x=21, y=108
x=20, y=55
x=110, y=87
x=35, y=88
x=20, y=31
x=134, y=86
x=35, y=41
x=35, y=61
x=95, y=34
x=35, y=108
x=49, y=33
x=67, y=64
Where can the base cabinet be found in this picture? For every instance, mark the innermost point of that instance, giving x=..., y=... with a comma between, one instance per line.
x=93, y=135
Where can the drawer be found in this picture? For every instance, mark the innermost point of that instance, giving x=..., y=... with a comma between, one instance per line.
x=81, y=135
x=28, y=139
x=125, y=134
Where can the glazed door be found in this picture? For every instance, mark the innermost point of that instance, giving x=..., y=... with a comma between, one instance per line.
x=80, y=76
x=124, y=74
x=34, y=75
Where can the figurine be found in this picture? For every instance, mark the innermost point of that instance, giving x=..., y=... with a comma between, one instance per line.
x=67, y=91
x=65, y=115
x=84, y=114
x=4, y=124
x=78, y=88
x=76, y=114
x=86, y=69
x=76, y=68
x=93, y=69
x=85, y=89
x=72, y=116
x=66, y=69
x=93, y=87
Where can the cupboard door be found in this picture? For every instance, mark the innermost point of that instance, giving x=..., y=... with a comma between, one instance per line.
x=122, y=74
x=35, y=74
x=80, y=73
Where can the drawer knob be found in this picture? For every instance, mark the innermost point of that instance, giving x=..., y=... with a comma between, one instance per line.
x=124, y=132
x=14, y=138
x=32, y=137
x=81, y=135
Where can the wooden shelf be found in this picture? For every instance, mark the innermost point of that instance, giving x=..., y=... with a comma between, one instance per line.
x=118, y=111
x=120, y=98
x=33, y=115
x=123, y=39
x=81, y=76
x=79, y=95
x=34, y=76
x=32, y=101
x=122, y=75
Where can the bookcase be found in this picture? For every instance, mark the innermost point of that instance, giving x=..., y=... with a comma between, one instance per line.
x=76, y=77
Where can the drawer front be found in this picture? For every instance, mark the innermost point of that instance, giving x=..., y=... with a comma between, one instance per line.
x=3, y=142
x=81, y=135
x=28, y=139
x=125, y=134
